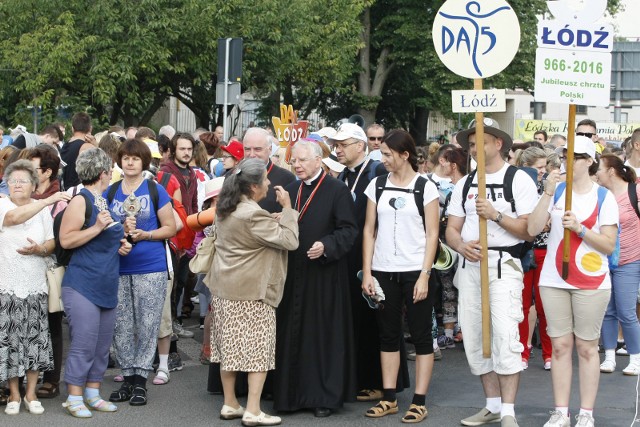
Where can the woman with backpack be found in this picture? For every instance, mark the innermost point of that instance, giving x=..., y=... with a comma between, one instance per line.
x=575, y=306
x=621, y=181
x=399, y=248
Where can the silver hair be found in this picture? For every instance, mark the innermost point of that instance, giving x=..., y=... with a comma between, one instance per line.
x=311, y=146
x=167, y=130
x=238, y=183
x=529, y=156
x=23, y=165
x=261, y=133
x=91, y=163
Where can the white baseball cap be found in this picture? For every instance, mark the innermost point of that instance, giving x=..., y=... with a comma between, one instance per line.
x=583, y=145
x=348, y=131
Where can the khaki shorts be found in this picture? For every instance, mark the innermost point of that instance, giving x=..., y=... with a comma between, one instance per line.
x=166, y=325
x=574, y=311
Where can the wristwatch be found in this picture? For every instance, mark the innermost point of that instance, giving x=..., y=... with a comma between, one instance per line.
x=498, y=218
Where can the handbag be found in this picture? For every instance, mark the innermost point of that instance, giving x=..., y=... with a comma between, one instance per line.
x=202, y=260
x=55, y=273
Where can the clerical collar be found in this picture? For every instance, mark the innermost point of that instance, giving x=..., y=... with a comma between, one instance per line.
x=355, y=169
x=310, y=181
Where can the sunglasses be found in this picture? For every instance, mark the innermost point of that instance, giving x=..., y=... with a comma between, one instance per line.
x=587, y=134
x=375, y=138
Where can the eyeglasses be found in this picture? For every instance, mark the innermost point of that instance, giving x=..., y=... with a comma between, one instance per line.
x=375, y=138
x=576, y=157
x=14, y=181
x=302, y=160
x=343, y=146
x=226, y=157
x=587, y=134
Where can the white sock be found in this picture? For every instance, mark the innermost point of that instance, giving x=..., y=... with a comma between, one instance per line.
x=564, y=410
x=494, y=404
x=448, y=333
x=164, y=361
x=610, y=355
x=507, y=409
x=586, y=411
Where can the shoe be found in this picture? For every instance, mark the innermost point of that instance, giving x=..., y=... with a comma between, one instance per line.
x=558, y=420
x=201, y=322
x=321, y=412
x=608, y=366
x=262, y=419
x=162, y=377
x=445, y=342
x=622, y=351
x=508, y=421
x=175, y=362
x=633, y=368
x=99, y=404
x=382, y=409
x=34, y=407
x=195, y=300
x=180, y=331
x=585, y=420
x=525, y=364
x=48, y=391
x=118, y=379
x=547, y=364
x=138, y=396
x=77, y=409
x=229, y=413
x=122, y=394
x=368, y=395
x=415, y=414
x=13, y=408
x=484, y=416
x=437, y=354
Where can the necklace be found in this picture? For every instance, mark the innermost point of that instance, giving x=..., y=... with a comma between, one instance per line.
x=128, y=189
x=306, y=204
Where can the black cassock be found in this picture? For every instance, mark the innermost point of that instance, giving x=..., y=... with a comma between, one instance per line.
x=315, y=351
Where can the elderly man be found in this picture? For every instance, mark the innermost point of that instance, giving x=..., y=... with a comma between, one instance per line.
x=314, y=345
x=257, y=145
x=506, y=231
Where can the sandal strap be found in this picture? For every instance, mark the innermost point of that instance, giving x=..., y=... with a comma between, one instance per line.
x=99, y=404
x=382, y=406
x=415, y=412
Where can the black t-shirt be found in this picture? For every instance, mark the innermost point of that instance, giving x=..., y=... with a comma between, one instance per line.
x=20, y=143
x=69, y=154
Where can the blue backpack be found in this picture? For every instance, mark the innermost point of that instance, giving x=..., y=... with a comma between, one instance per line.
x=614, y=258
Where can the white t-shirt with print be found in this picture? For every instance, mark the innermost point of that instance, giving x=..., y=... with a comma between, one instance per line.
x=401, y=240
x=588, y=268
x=524, y=193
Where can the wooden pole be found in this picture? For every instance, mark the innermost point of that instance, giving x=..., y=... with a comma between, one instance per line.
x=566, y=249
x=484, y=262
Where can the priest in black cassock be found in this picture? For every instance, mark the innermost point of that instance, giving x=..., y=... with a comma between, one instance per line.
x=315, y=350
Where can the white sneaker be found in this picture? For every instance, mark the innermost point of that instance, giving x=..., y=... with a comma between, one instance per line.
x=558, y=419
x=525, y=364
x=608, y=366
x=248, y=419
x=547, y=365
x=622, y=351
x=229, y=413
x=585, y=420
x=633, y=368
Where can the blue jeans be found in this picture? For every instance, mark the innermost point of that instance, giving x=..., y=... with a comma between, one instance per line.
x=622, y=308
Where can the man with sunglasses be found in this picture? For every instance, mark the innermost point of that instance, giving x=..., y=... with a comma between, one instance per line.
x=588, y=128
x=375, y=132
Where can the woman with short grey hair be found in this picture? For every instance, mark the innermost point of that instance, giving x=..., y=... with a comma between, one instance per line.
x=249, y=242
x=90, y=284
x=24, y=330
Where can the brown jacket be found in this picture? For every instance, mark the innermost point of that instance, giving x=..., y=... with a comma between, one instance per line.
x=250, y=263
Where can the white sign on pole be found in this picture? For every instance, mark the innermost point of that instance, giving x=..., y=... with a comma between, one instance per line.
x=476, y=40
x=573, y=59
x=475, y=101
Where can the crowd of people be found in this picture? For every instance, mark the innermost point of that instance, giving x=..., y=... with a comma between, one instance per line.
x=323, y=260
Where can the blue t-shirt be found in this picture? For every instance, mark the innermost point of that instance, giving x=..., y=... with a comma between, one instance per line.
x=147, y=256
x=93, y=269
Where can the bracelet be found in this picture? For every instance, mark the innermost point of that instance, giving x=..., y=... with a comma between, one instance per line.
x=582, y=232
x=44, y=250
x=550, y=195
x=427, y=271
x=150, y=235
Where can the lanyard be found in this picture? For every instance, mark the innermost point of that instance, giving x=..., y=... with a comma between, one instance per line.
x=306, y=204
x=364, y=165
x=269, y=170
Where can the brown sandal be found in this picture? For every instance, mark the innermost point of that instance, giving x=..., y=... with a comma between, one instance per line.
x=415, y=414
x=48, y=391
x=382, y=408
x=368, y=395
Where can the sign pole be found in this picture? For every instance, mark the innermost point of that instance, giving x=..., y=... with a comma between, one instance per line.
x=566, y=248
x=484, y=262
x=225, y=130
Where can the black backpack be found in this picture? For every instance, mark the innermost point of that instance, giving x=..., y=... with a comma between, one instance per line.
x=633, y=197
x=63, y=256
x=417, y=190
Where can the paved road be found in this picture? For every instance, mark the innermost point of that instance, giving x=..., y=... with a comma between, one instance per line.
x=454, y=394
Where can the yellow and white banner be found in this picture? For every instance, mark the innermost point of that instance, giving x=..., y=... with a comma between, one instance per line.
x=525, y=128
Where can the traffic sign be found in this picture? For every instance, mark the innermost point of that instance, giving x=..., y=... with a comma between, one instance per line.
x=476, y=40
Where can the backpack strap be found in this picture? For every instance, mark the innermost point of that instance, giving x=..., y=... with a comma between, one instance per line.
x=430, y=178
x=418, y=192
x=113, y=189
x=559, y=190
x=381, y=183
x=88, y=210
x=633, y=197
x=164, y=181
x=153, y=194
x=508, y=186
x=466, y=187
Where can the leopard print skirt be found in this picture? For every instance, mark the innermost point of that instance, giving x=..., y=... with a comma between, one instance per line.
x=243, y=335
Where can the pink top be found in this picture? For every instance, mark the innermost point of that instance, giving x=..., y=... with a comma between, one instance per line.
x=629, y=231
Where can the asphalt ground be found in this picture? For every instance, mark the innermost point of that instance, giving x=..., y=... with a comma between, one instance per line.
x=454, y=394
